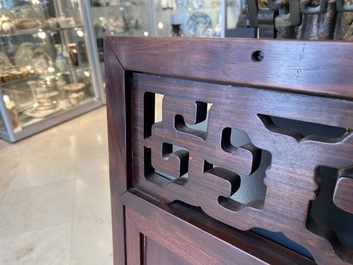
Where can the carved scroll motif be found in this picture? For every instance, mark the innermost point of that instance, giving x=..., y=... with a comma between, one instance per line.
x=191, y=156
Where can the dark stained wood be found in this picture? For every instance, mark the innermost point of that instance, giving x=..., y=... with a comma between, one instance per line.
x=157, y=254
x=343, y=195
x=116, y=117
x=182, y=159
x=287, y=64
x=134, y=239
x=194, y=245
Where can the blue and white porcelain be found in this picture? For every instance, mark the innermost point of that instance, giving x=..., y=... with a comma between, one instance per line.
x=200, y=25
x=181, y=3
x=197, y=4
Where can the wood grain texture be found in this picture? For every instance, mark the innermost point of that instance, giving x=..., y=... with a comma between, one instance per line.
x=323, y=68
x=343, y=195
x=189, y=156
x=161, y=224
x=117, y=129
x=157, y=254
x=135, y=251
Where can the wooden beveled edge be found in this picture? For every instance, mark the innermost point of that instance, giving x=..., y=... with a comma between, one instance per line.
x=118, y=119
x=255, y=247
x=321, y=68
x=117, y=144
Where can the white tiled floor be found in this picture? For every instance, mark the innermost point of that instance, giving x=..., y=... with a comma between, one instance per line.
x=54, y=196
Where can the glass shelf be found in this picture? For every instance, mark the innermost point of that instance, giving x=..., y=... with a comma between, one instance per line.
x=39, y=29
x=19, y=80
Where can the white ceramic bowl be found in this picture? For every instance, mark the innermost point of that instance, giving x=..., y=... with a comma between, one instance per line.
x=74, y=87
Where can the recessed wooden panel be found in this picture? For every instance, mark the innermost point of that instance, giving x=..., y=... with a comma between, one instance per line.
x=157, y=254
x=147, y=223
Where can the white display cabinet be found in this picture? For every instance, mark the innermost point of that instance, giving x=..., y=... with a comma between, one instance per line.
x=49, y=66
x=119, y=18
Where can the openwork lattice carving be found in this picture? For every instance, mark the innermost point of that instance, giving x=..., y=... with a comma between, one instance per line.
x=208, y=144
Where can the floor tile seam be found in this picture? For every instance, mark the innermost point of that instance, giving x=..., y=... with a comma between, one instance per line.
x=14, y=147
x=67, y=220
x=85, y=217
x=94, y=141
x=75, y=159
x=40, y=228
x=55, y=183
x=73, y=177
x=12, y=179
x=73, y=212
x=43, y=154
x=75, y=206
x=62, y=149
x=92, y=173
x=2, y=199
x=90, y=144
x=4, y=154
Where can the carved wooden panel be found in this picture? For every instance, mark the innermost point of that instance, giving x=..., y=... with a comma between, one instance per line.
x=173, y=160
x=278, y=130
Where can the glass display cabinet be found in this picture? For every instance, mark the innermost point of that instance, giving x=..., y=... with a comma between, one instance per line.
x=119, y=18
x=189, y=18
x=195, y=18
x=48, y=65
x=235, y=17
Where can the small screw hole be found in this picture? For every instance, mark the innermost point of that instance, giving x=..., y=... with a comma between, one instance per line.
x=257, y=56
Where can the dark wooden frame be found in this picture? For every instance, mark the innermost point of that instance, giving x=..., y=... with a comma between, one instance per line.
x=315, y=70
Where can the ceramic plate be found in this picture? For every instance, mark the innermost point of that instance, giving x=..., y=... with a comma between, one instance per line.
x=197, y=4
x=41, y=62
x=181, y=3
x=41, y=114
x=24, y=53
x=200, y=25
x=47, y=95
x=74, y=87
